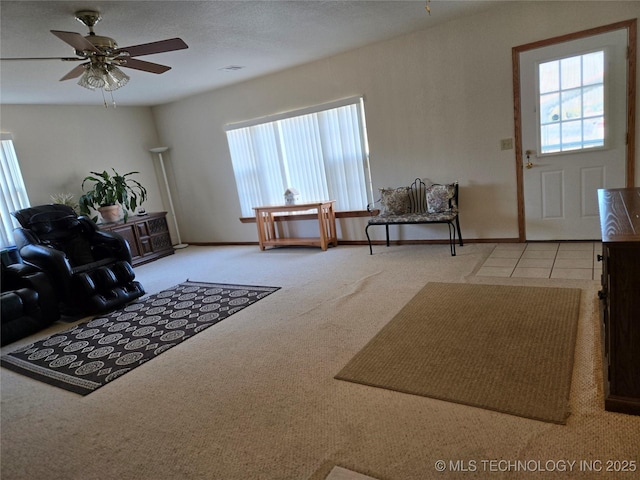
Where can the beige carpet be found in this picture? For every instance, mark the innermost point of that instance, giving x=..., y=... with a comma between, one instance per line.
x=503, y=348
x=255, y=398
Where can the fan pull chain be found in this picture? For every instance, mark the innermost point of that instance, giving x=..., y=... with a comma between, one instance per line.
x=104, y=99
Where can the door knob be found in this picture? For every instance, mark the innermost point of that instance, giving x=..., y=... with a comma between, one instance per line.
x=528, y=164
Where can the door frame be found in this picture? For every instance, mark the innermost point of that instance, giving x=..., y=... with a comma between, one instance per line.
x=631, y=27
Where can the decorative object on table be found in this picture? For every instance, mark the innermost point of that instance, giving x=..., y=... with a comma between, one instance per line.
x=65, y=199
x=113, y=191
x=159, y=151
x=89, y=269
x=94, y=353
x=499, y=347
x=291, y=196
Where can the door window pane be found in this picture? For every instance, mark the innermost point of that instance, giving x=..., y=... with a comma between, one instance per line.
x=571, y=104
x=550, y=136
x=571, y=72
x=593, y=101
x=594, y=131
x=549, y=108
x=549, y=77
x=571, y=135
x=592, y=68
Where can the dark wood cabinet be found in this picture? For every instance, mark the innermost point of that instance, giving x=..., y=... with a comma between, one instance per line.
x=620, y=298
x=147, y=235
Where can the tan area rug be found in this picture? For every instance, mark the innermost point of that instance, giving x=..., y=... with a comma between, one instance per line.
x=502, y=348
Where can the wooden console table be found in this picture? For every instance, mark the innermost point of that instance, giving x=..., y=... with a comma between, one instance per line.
x=266, y=217
x=620, y=298
x=147, y=235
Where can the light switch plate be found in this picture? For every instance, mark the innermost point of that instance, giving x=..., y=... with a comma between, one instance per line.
x=506, y=144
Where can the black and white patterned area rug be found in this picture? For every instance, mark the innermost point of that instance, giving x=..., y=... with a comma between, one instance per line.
x=97, y=352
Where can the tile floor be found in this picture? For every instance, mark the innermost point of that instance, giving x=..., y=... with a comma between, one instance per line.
x=574, y=260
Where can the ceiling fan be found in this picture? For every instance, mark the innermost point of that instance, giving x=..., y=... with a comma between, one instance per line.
x=103, y=56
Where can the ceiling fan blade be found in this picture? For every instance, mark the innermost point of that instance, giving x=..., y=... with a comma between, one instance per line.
x=76, y=40
x=75, y=72
x=154, y=47
x=64, y=59
x=142, y=65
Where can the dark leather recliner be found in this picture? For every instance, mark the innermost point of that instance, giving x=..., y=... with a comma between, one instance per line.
x=28, y=302
x=90, y=269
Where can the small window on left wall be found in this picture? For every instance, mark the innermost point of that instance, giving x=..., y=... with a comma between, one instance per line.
x=13, y=194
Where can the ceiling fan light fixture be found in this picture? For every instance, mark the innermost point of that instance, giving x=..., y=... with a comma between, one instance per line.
x=114, y=78
x=103, y=76
x=90, y=79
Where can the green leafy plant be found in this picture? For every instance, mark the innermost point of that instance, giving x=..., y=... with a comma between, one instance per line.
x=113, y=189
x=64, y=199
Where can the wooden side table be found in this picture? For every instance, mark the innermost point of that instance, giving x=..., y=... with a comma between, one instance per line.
x=266, y=217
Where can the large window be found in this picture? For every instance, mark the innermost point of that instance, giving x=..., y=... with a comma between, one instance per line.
x=571, y=103
x=13, y=194
x=321, y=152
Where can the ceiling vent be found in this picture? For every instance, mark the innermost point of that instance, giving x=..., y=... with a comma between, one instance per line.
x=232, y=68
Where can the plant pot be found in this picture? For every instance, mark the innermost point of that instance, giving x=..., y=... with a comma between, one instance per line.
x=110, y=213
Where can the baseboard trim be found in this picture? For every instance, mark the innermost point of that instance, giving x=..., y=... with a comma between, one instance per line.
x=374, y=242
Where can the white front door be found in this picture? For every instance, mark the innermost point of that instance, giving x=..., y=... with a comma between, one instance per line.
x=573, y=104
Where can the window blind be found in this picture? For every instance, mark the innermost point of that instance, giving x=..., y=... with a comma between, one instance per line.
x=13, y=195
x=321, y=152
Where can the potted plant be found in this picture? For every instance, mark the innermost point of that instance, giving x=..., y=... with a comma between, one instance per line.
x=109, y=193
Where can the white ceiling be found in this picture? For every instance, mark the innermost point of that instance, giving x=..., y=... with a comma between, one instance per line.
x=262, y=36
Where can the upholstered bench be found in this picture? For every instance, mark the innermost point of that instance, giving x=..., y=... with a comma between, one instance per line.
x=417, y=204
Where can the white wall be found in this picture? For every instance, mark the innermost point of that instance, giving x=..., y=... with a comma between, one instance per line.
x=58, y=146
x=437, y=104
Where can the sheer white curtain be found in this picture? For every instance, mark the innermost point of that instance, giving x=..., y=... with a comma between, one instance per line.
x=13, y=195
x=321, y=152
